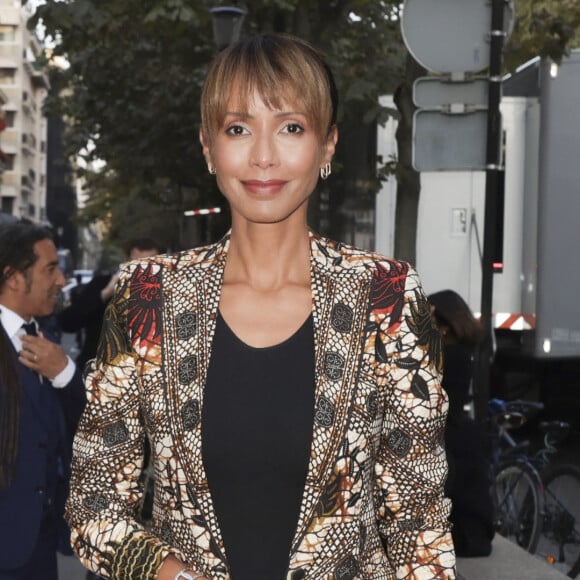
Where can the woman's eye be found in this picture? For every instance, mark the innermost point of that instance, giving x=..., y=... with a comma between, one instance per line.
x=235, y=130
x=293, y=128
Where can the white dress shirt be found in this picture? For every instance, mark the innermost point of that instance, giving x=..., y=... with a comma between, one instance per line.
x=12, y=324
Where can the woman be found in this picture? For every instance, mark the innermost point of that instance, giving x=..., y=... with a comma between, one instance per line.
x=461, y=332
x=467, y=445
x=289, y=385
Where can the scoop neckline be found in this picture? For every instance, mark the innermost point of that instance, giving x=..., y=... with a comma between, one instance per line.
x=269, y=347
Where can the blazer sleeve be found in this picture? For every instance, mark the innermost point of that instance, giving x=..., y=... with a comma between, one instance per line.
x=411, y=468
x=72, y=399
x=108, y=459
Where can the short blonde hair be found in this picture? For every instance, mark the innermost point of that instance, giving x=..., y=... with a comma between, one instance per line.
x=282, y=69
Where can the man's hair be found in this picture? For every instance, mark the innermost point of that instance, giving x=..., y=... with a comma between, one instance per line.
x=17, y=254
x=17, y=242
x=142, y=244
x=282, y=69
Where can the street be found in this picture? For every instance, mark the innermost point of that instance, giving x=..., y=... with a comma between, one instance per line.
x=69, y=568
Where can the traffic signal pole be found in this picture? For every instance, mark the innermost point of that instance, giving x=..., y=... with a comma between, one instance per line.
x=482, y=367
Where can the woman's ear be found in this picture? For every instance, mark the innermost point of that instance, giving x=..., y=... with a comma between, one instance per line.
x=330, y=144
x=205, y=148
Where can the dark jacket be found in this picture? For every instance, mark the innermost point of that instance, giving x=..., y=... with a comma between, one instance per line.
x=86, y=312
x=48, y=418
x=469, y=457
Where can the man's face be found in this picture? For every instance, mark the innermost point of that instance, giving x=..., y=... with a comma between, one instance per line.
x=38, y=289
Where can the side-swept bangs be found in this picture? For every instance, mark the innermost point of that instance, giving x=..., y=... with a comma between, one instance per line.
x=282, y=69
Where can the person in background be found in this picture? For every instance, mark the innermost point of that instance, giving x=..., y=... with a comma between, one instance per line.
x=288, y=384
x=41, y=398
x=87, y=308
x=468, y=447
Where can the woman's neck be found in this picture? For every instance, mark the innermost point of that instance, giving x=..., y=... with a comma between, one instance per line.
x=268, y=256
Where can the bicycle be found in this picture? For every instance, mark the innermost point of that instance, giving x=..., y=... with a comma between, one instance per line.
x=517, y=488
x=551, y=528
x=559, y=542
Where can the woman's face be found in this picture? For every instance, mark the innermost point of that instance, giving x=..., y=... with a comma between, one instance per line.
x=267, y=161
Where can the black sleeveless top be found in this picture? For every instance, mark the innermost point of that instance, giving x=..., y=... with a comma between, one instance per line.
x=256, y=436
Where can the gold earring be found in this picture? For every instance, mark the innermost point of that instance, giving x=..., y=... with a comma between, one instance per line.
x=325, y=171
x=211, y=169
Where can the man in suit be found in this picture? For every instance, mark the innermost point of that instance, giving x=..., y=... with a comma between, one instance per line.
x=41, y=399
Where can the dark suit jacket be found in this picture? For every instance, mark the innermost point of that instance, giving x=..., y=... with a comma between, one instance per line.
x=48, y=418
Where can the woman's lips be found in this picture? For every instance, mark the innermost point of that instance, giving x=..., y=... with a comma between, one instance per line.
x=269, y=187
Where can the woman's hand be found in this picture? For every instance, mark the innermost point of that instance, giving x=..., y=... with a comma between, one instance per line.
x=172, y=566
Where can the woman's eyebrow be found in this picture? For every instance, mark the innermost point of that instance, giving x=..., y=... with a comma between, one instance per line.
x=278, y=114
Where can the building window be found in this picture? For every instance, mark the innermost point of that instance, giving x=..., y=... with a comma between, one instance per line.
x=7, y=34
x=7, y=76
x=9, y=117
x=8, y=205
x=7, y=161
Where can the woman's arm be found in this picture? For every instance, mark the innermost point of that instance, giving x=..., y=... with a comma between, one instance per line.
x=411, y=467
x=107, y=463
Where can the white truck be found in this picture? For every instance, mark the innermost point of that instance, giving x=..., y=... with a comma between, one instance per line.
x=536, y=297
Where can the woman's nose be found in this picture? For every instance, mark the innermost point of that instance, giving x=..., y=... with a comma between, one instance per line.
x=264, y=153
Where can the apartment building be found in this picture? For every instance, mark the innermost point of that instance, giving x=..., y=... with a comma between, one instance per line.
x=23, y=141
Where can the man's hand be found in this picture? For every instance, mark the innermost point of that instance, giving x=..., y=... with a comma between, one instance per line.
x=42, y=356
x=108, y=291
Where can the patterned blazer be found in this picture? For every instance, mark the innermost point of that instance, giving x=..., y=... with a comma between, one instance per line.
x=373, y=505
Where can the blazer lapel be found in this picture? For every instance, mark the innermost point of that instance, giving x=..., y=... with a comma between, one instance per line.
x=340, y=303
x=191, y=295
x=32, y=385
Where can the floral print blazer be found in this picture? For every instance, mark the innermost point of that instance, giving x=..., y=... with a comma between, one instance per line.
x=373, y=505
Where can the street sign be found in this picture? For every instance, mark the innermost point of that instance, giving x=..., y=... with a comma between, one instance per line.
x=449, y=142
x=448, y=36
x=443, y=91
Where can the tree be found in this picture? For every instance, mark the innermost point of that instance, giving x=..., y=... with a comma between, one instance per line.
x=132, y=86
x=546, y=28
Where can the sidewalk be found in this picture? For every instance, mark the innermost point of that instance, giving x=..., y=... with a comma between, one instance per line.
x=69, y=568
x=506, y=562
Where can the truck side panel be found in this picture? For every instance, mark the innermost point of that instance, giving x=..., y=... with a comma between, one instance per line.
x=558, y=304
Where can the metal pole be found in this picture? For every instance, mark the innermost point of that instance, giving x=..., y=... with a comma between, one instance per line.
x=482, y=368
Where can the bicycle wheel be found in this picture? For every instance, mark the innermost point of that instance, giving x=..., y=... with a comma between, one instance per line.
x=518, y=497
x=560, y=538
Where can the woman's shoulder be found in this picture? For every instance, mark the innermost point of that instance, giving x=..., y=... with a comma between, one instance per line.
x=341, y=255
x=192, y=260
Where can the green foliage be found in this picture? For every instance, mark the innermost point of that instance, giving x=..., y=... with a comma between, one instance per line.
x=135, y=69
x=546, y=28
